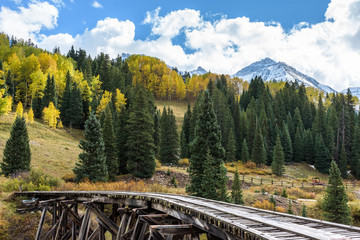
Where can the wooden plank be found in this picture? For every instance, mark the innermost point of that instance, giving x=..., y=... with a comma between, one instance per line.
x=41, y=223
x=139, y=230
x=106, y=220
x=57, y=235
x=84, y=225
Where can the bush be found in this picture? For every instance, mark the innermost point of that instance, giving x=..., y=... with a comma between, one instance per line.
x=250, y=165
x=264, y=204
x=69, y=177
x=34, y=180
x=296, y=193
x=158, y=163
x=184, y=162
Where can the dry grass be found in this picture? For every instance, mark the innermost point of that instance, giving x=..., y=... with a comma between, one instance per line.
x=54, y=151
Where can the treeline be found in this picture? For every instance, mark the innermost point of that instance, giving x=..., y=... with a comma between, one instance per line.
x=306, y=132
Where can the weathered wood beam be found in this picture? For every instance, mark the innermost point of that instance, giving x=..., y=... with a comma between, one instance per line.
x=57, y=235
x=106, y=220
x=176, y=229
x=122, y=226
x=139, y=231
x=41, y=223
x=85, y=225
x=94, y=233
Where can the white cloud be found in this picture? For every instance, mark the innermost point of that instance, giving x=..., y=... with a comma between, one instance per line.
x=96, y=4
x=328, y=51
x=27, y=22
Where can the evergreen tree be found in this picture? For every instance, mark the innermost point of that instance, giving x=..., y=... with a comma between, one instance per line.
x=308, y=147
x=207, y=137
x=245, y=152
x=65, y=113
x=37, y=105
x=335, y=207
x=358, y=170
x=92, y=161
x=343, y=163
x=231, y=147
x=322, y=156
x=169, y=140
x=355, y=150
x=303, y=211
x=185, y=134
x=258, y=151
x=157, y=134
x=75, y=110
x=17, y=154
x=140, y=148
x=298, y=147
x=286, y=144
x=121, y=139
x=289, y=210
x=284, y=193
x=236, y=193
x=50, y=94
x=277, y=164
x=110, y=145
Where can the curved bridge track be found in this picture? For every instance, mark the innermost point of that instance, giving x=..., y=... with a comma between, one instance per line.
x=137, y=216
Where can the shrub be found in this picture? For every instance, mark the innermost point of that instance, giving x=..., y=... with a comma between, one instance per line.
x=69, y=177
x=184, y=162
x=295, y=193
x=264, y=204
x=250, y=165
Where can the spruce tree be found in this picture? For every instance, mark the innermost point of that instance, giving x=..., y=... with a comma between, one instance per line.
x=65, y=113
x=231, y=147
x=140, y=148
x=245, y=152
x=185, y=134
x=343, y=163
x=169, y=140
x=236, y=193
x=258, y=151
x=286, y=144
x=289, y=210
x=76, y=109
x=17, y=154
x=207, y=137
x=303, y=211
x=157, y=134
x=298, y=148
x=322, y=156
x=50, y=94
x=308, y=147
x=110, y=145
x=92, y=161
x=358, y=170
x=277, y=164
x=37, y=105
x=335, y=207
x=121, y=139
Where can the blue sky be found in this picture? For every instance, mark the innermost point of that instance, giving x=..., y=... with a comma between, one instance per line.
x=318, y=37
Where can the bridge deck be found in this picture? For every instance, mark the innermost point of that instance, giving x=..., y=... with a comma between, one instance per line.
x=234, y=221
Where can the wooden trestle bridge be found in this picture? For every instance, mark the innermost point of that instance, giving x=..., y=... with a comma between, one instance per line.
x=131, y=215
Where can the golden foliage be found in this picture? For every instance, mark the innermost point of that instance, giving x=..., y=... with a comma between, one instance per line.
x=264, y=204
x=105, y=100
x=120, y=99
x=51, y=115
x=19, y=110
x=30, y=116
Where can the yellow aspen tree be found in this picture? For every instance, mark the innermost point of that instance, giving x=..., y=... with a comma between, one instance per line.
x=19, y=110
x=51, y=115
x=8, y=107
x=60, y=125
x=30, y=116
x=120, y=100
x=106, y=98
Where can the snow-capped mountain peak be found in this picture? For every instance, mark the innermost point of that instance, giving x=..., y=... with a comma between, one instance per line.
x=269, y=70
x=199, y=71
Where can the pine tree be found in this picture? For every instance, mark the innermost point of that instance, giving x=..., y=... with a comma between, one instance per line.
x=37, y=105
x=258, y=151
x=169, y=140
x=289, y=210
x=335, y=207
x=244, y=152
x=121, y=139
x=207, y=137
x=140, y=148
x=287, y=144
x=298, y=155
x=157, y=134
x=65, y=113
x=322, y=156
x=110, y=145
x=284, y=193
x=277, y=164
x=17, y=154
x=185, y=134
x=92, y=161
x=308, y=147
x=75, y=110
x=236, y=193
x=231, y=147
x=358, y=170
x=343, y=163
x=303, y=211
x=50, y=94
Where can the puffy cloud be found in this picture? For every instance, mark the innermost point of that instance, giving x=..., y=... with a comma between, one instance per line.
x=329, y=51
x=27, y=22
x=96, y=4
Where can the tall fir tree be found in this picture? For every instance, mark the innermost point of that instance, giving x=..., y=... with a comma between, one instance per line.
x=287, y=144
x=322, y=156
x=277, y=164
x=231, y=147
x=258, y=151
x=92, y=160
x=110, y=145
x=308, y=147
x=335, y=205
x=157, y=123
x=236, y=193
x=185, y=134
x=169, y=140
x=65, y=114
x=17, y=154
x=140, y=147
x=50, y=94
x=343, y=163
x=121, y=131
x=75, y=109
x=245, y=157
x=298, y=148
x=207, y=142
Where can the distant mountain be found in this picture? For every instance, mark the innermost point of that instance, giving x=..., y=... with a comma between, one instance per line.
x=269, y=70
x=199, y=71
x=355, y=91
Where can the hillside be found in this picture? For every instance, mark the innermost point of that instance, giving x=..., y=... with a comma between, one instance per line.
x=54, y=151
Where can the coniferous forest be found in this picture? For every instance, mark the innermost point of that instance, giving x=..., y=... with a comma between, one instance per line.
x=228, y=119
